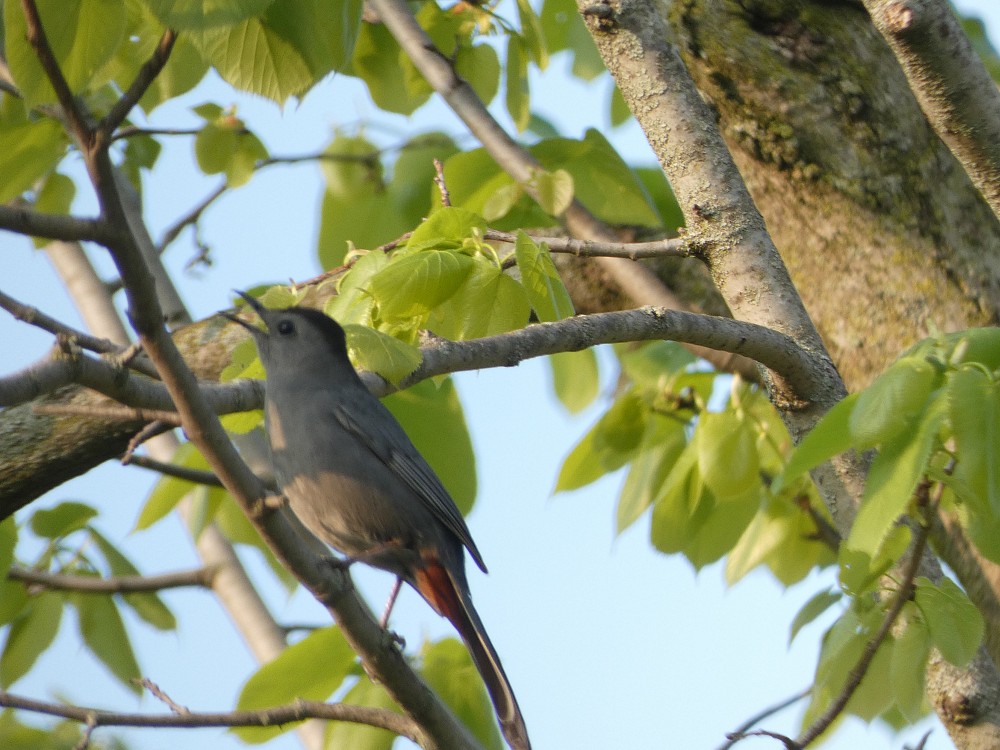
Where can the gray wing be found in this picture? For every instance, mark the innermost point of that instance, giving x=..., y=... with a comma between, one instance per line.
x=390, y=444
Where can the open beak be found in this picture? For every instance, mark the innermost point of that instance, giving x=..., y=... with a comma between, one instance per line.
x=257, y=307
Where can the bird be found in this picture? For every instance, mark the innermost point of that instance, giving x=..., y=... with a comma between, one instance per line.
x=355, y=480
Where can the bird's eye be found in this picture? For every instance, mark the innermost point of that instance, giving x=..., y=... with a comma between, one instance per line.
x=286, y=328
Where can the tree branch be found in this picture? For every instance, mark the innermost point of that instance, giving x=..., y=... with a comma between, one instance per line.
x=114, y=585
x=774, y=350
x=35, y=317
x=144, y=78
x=197, y=476
x=40, y=43
x=265, y=717
x=956, y=93
x=899, y=600
x=27, y=221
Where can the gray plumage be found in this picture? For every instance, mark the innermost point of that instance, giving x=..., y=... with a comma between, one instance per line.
x=355, y=480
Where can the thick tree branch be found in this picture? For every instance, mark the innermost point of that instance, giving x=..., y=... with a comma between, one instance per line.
x=201, y=577
x=265, y=717
x=774, y=350
x=958, y=96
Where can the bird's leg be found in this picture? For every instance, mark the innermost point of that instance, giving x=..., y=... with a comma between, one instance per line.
x=384, y=622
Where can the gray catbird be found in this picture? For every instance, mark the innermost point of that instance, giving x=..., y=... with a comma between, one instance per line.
x=355, y=480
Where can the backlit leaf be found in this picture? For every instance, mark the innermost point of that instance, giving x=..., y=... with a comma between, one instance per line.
x=310, y=669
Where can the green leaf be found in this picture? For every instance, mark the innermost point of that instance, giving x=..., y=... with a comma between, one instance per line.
x=446, y=228
x=55, y=197
x=652, y=365
x=380, y=63
x=894, y=475
x=908, y=668
x=541, y=280
x=353, y=303
x=361, y=208
x=143, y=31
x=860, y=571
x=817, y=605
x=322, y=34
x=30, y=636
x=479, y=185
x=433, y=418
x=565, y=30
x=661, y=446
x=13, y=599
x=843, y=645
x=618, y=110
x=61, y=520
x=517, y=98
x=575, y=378
x=8, y=541
x=204, y=14
x=225, y=146
x=170, y=490
x=661, y=195
x=532, y=35
x=887, y=408
x=673, y=523
x=479, y=66
x=830, y=437
x=30, y=151
x=602, y=181
x=449, y=671
x=487, y=303
x=974, y=402
x=148, y=606
x=381, y=353
x=348, y=734
x=103, y=632
x=609, y=445
x=413, y=285
x=254, y=57
x=83, y=36
x=555, y=190
x=955, y=625
x=727, y=454
x=310, y=669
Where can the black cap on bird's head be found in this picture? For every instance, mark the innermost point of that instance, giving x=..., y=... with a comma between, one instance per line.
x=294, y=333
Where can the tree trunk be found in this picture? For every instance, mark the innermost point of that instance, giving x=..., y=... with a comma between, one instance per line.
x=882, y=231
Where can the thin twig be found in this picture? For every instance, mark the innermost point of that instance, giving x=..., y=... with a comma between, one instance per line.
x=737, y=734
x=899, y=600
x=130, y=131
x=126, y=356
x=441, y=184
x=264, y=717
x=161, y=695
x=191, y=217
x=198, y=476
x=40, y=43
x=148, y=432
x=84, y=584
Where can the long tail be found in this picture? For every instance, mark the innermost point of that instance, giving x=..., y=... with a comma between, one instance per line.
x=451, y=599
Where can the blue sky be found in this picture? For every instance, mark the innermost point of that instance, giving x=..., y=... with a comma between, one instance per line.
x=607, y=643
